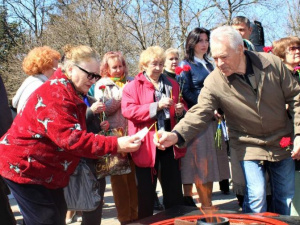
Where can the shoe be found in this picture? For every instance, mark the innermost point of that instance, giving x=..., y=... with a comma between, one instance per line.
x=69, y=221
x=78, y=218
x=226, y=192
x=158, y=205
x=188, y=201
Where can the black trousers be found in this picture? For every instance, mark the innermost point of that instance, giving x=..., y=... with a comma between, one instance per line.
x=6, y=215
x=94, y=217
x=170, y=182
x=39, y=205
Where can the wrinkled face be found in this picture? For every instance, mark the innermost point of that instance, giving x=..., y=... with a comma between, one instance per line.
x=202, y=46
x=227, y=59
x=243, y=30
x=115, y=67
x=292, y=56
x=80, y=78
x=154, y=67
x=171, y=62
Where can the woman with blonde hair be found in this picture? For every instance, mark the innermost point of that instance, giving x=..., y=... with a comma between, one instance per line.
x=152, y=98
x=172, y=60
x=44, y=145
x=114, y=72
x=39, y=65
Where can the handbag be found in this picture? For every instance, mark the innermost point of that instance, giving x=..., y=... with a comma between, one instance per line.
x=112, y=164
x=82, y=192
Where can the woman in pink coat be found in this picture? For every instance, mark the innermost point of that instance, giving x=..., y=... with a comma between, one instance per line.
x=152, y=97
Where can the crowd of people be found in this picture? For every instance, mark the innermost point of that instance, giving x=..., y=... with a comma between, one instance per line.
x=75, y=107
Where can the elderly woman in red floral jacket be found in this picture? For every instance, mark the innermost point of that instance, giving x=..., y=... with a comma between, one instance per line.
x=152, y=97
x=43, y=146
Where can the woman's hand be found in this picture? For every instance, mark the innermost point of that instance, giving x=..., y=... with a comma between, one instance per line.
x=295, y=154
x=104, y=125
x=165, y=103
x=179, y=107
x=98, y=107
x=129, y=144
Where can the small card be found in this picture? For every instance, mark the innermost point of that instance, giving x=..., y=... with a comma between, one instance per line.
x=142, y=133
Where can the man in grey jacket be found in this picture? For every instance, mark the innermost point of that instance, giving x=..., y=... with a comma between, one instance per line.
x=252, y=90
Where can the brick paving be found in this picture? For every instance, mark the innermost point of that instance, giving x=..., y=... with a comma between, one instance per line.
x=109, y=217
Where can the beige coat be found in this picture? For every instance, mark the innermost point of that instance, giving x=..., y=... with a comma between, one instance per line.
x=112, y=99
x=256, y=121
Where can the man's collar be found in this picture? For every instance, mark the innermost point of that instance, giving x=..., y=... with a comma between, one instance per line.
x=257, y=59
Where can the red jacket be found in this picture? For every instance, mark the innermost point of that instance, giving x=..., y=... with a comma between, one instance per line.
x=48, y=137
x=138, y=96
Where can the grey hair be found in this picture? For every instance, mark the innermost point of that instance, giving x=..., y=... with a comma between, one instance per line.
x=226, y=34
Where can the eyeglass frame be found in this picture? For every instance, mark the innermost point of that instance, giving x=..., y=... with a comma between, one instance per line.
x=293, y=50
x=90, y=75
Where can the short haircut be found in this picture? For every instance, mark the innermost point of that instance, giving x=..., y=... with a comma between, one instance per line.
x=192, y=39
x=227, y=34
x=153, y=52
x=77, y=54
x=280, y=46
x=104, y=68
x=240, y=19
x=40, y=59
x=172, y=51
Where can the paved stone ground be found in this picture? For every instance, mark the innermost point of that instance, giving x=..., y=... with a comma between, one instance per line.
x=223, y=202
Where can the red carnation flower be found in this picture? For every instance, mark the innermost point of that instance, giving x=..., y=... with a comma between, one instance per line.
x=297, y=68
x=186, y=68
x=102, y=87
x=178, y=70
x=268, y=49
x=285, y=142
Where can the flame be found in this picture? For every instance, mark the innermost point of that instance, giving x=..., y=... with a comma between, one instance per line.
x=205, y=190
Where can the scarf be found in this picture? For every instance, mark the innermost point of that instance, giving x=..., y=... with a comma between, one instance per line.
x=162, y=92
x=119, y=81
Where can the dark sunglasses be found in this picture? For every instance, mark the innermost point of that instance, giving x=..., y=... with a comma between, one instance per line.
x=90, y=75
x=293, y=48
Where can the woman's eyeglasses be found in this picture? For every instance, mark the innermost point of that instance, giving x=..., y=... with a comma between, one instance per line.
x=90, y=75
x=293, y=49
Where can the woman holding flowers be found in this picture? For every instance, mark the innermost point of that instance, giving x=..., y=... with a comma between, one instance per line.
x=152, y=98
x=288, y=49
x=109, y=90
x=44, y=145
x=202, y=162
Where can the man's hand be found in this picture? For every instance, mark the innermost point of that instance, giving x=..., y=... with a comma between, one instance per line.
x=165, y=139
x=296, y=149
x=129, y=144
